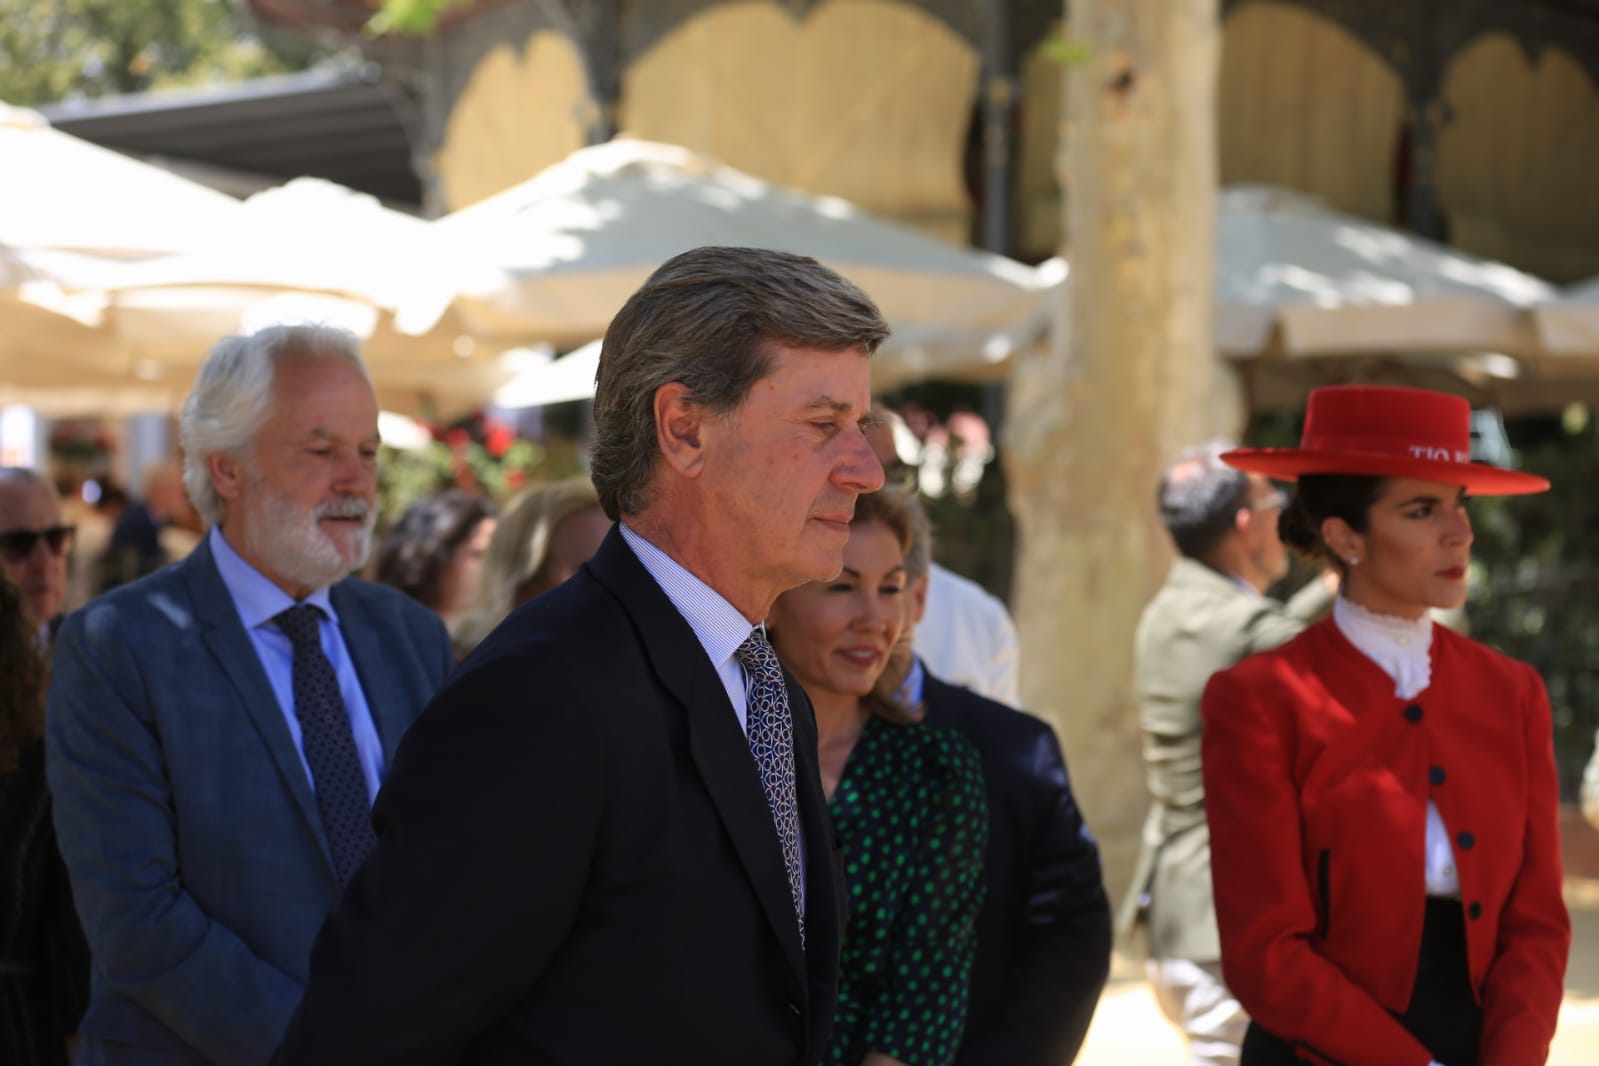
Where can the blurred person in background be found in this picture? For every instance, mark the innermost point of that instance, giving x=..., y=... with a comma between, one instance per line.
x=434, y=551
x=907, y=799
x=1211, y=612
x=44, y=960
x=150, y=533
x=34, y=544
x=544, y=534
x=217, y=730
x=967, y=638
x=1044, y=931
x=1381, y=791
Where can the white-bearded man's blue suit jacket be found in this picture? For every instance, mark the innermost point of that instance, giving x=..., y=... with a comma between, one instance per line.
x=199, y=865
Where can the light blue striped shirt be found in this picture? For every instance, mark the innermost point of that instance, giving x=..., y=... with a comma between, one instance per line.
x=719, y=627
x=258, y=601
x=717, y=624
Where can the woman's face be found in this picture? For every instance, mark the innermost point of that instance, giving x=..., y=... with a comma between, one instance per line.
x=1414, y=552
x=836, y=635
x=458, y=588
x=573, y=543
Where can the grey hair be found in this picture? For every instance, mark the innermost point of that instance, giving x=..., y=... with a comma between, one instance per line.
x=1199, y=495
x=709, y=318
x=232, y=397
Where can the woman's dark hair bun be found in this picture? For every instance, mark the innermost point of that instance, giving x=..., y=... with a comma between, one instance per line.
x=1295, y=528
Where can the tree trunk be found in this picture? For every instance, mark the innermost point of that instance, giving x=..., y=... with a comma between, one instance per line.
x=1130, y=378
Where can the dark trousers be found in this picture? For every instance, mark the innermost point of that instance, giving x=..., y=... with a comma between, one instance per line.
x=1443, y=1014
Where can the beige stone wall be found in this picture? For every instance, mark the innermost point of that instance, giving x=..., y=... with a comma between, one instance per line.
x=1301, y=103
x=869, y=100
x=1037, y=201
x=1305, y=105
x=522, y=110
x=1518, y=163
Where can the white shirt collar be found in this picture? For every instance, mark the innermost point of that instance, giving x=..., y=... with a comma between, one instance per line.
x=1403, y=648
x=717, y=624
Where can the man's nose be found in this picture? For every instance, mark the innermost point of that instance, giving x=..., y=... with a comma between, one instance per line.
x=356, y=474
x=859, y=469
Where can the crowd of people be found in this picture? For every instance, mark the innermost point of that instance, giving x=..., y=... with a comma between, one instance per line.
x=700, y=760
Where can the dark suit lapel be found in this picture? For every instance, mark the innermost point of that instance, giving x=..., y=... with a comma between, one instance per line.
x=383, y=685
x=720, y=750
x=224, y=635
x=824, y=886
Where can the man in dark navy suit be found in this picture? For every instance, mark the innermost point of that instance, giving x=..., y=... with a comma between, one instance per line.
x=1044, y=930
x=606, y=842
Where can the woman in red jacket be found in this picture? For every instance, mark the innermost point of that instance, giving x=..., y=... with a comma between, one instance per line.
x=1381, y=791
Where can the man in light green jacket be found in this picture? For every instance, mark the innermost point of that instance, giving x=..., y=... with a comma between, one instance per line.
x=1211, y=612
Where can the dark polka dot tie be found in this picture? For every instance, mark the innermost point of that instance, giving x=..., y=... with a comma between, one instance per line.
x=341, y=796
x=771, y=736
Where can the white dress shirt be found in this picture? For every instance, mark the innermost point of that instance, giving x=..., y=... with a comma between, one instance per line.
x=1404, y=651
x=967, y=637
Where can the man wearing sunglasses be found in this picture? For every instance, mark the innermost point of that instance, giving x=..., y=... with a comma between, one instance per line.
x=34, y=545
x=1211, y=612
x=217, y=729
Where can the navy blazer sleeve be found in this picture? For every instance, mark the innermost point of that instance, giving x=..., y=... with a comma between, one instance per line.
x=112, y=794
x=487, y=796
x=1046, y=893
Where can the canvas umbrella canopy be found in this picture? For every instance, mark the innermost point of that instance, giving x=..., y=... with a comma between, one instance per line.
x=74, y=215
x=1568, y=325
x=311, y=251
x=66, y=194
x=1301, y=279
x=564, y=250
x=570, y=377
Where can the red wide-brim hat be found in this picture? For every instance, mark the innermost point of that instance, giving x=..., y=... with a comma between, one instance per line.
x=1384, y=431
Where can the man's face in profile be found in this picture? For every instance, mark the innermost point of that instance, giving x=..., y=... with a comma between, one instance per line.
x=787, y=464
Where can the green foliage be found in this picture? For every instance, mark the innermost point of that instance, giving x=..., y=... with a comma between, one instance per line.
x=54, y=49
x=479, y=455
x=415, y=18
x=1066, y=51
x=1535, y=593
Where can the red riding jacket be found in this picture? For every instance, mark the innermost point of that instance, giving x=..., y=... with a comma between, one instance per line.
x=1317, y=779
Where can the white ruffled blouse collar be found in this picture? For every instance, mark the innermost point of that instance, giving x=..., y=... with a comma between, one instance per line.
x=1403, y=648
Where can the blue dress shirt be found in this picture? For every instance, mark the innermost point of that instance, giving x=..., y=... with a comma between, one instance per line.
x=258, y=600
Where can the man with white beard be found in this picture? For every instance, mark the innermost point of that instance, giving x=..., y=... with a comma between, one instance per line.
x=217, y=730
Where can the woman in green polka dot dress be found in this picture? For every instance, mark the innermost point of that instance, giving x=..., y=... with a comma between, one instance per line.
x=907, y=799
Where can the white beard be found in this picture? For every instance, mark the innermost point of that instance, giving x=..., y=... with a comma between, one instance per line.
x=291, y=544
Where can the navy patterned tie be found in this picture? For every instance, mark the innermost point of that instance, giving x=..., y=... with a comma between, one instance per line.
x=771, y=737
x=341, y=796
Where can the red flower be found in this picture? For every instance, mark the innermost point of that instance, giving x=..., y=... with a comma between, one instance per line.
x=515, y=478
x=457, y=438
x=499, y=439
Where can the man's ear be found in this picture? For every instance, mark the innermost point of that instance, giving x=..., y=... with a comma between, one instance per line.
x=680, y=429
x=918, y=600
x=227, y=475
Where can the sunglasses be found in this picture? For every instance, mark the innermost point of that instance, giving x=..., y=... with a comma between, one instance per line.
x=17, y=544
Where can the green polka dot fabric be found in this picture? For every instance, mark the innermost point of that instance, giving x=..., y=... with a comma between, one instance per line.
x=913, y=821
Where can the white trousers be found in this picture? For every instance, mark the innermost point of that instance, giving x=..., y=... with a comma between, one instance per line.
x=1194, y=998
